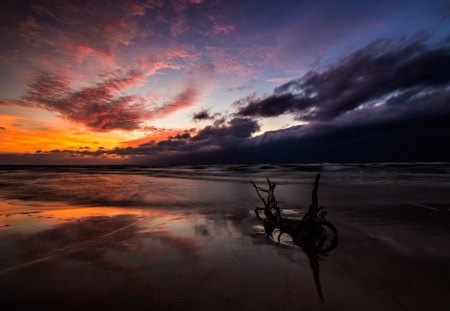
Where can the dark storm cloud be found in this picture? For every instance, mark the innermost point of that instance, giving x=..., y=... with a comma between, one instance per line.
x=389, y=101
x=380, y=69
x=185, y=135
x=235, y=133
x=414, y=128
x=232, y=135
x=203, y=114
x=407, y=128
x=214, y=137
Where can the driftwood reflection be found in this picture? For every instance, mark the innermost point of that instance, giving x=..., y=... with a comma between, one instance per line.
x=314, y=234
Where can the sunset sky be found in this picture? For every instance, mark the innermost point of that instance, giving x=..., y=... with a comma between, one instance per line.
x=198, y=81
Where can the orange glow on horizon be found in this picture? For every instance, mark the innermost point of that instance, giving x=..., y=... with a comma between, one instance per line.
x=157, y=135
x=20, y=134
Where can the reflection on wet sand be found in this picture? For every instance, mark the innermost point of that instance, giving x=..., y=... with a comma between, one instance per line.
x=313, y=247
x=71, y=231
x=129, y=246
x=102, y=241
x=314, y=234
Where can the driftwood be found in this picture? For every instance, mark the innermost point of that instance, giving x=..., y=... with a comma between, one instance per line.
x=313, y=233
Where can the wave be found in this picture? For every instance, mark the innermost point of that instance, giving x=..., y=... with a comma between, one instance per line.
x=227, y=170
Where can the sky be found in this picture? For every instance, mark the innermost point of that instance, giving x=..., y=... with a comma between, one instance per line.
x=202, y=82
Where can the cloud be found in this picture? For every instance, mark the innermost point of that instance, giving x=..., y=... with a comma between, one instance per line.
x=154, y=134
x=237, y=88
x=83, y=28
x=204, y=114
x=172, y=60
x=279, y=80
x=184, y=100
x=386, y=102
x=233, y=134
x=379, y=70
x=103, y=106
x=212, y=137
x=219, y=29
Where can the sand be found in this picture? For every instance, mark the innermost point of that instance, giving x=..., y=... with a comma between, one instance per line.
x=134, y=240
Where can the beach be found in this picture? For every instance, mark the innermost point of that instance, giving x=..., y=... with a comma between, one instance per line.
x=187, y=238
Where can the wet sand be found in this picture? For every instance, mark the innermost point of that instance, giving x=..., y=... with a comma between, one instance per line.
x=104, y=240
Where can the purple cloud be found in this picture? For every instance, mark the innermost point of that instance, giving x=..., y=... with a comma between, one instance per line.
x=379, y=70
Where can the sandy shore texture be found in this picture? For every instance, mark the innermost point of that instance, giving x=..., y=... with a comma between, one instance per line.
x=186, y=238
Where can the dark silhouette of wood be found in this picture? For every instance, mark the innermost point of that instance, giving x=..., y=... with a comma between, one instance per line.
x=313, y=233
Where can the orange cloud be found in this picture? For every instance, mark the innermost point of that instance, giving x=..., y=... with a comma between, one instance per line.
x=101, y=107
x=184, y=100
x=104, y=106
x=26, y=135
x=159, y=134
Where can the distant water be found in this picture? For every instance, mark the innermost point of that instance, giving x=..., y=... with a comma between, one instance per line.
x=132, y=185
x=186, y=237
x=377, y=172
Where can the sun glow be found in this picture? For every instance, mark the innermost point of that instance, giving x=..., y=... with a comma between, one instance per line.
x=21, y=134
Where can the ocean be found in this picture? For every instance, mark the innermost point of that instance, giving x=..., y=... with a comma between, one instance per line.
x=187, y=238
